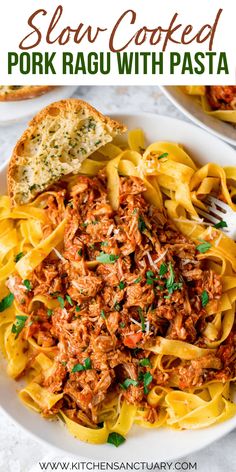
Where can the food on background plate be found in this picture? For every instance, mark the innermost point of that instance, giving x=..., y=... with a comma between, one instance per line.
x=11, y=93
x=217, y=100
x=118, y=301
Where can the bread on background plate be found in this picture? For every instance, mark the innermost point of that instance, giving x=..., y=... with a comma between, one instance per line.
x=11, y=93
x=58, y=139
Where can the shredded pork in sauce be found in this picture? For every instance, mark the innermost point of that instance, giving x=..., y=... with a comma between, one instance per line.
x=122, y=279
x=222, y=97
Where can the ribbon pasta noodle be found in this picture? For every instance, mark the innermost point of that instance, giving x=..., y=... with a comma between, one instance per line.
x=201, y=92
x=31, y=248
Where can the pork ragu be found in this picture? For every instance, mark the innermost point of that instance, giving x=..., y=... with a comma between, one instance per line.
x=222, y=97
x=122, y=278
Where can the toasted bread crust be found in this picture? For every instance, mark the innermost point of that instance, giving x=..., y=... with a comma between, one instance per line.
x=70, y=106
x=24, y=93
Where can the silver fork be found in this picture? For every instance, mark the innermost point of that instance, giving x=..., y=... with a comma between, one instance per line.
x=219, y=211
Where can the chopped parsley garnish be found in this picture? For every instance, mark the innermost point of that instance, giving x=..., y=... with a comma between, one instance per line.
x=127, y=382
x=171, y=278
x=69, y=300
x=134, y=211
x=163, y=269
x=63, y=363
x=77, y=308
x=54, y=294
x=80, y=252
x=150, y=277
x=18, y=256
x=116, y=439
x=104, y=243
x=147, y=379
x=204, y=298
x=85, y=366
x=221, y=224
x=117, y=307
x=122, y=324
x=140, y=312
x=6, y=302
x=121, y=285
x=145, y=362
x=27, y=285
x=203, y=247
x=49, y=313
x=165, y=154
x=106, y=258
x=102, y=314
x=19, y=325
x=141, y=224
x=171, y=285
x=138, y=280
x=61, y=302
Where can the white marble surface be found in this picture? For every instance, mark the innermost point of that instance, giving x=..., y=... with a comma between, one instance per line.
x=19, y=452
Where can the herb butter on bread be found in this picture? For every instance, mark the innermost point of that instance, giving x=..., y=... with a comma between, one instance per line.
x=57, y=141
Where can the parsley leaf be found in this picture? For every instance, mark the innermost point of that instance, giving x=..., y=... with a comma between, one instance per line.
x=163, y=269
x=137, y=280
x=69, y=300
x=171, y=277
x=127, y=382
x=49, y=313
x=121, y=285
x=61, y=302
x=150, y=277
x=116, y=439
x=203, y=247
x=18, y=256
x=6, y=302
x=80, y=252
x=102, y=314
x=77, y=308
x=204, y=298
x=122, y=324
x=140, y=312
x=85, y=366
x=171, y=285
x=104, y=243
x=145, y=362
x=147, y=379
x=27, y=285
x=221, y=224
x=117, y=306
x=106, y=258
x=165, y=154
x=19, y=325
x=141, y=224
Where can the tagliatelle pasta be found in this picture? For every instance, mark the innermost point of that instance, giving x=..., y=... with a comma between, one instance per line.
x=225, y=114
x=150, y=306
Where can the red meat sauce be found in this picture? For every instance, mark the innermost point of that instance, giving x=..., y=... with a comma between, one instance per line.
x=123, y=278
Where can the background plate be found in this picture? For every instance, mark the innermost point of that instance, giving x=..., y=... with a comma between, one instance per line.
x=192, y=108
x=11, y=112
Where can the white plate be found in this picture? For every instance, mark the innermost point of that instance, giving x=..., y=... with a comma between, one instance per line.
x=11, y=112
x=192, y=108
x=142, y=444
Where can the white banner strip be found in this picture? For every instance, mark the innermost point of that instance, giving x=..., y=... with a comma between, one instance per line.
x=131, y=42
